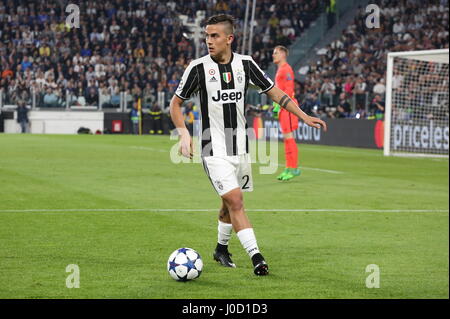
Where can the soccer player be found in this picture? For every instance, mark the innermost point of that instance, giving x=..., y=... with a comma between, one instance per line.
x=284, y=80
x=221, y=80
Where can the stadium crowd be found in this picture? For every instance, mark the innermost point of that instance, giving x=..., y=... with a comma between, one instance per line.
x=137, y=47
x=352, y=68
x=141, y=48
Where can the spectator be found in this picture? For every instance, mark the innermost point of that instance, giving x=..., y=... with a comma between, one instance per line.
x=398, y=27
x=222, y=6
x=50, y=98
x=115, y=98
x=148, y=95
x=311, y=104
x=339, y=88
x=274, y=21
x=90, y=74
x=349, y=86
x=156, y=119
x=360, y=91
x=134, y=117
x=105, y=98
x=7, y=72
x=80, y=95
x=92, y=96
x=173, y=83
x=161, y=95
x=377, y=107
x=343, y=108
x=22, y=116
x=129, y=100
x=44, y=50
x=189, y=117
x=379, y=88
x=328, y=90
x=26, y=63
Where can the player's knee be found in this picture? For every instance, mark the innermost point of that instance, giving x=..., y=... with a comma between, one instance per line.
x=235, y=203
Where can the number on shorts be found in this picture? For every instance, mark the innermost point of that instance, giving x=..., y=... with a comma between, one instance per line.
x=246, y=182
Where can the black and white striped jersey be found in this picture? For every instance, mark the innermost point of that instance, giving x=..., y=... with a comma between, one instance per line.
x=222, y=89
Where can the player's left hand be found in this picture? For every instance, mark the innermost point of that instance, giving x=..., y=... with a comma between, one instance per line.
x=316, y=122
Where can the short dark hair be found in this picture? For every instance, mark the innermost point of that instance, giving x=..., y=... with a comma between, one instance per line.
x=222, y=18
x=283, y=48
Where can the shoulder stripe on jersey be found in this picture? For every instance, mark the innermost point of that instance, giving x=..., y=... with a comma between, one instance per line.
x=246, y=137
x=192, y=80
x=245, y=63
x=234, y=116
x=206, y=131
x=229, y=112
x=258, y=78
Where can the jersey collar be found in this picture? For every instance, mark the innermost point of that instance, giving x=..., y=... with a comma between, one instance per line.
x=231, y=60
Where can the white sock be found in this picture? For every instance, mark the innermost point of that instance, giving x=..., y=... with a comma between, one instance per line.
x=224, y=233
x=248, y=241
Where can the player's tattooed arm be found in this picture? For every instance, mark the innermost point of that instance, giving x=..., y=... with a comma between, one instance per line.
x=280, y=97
x=285, y=101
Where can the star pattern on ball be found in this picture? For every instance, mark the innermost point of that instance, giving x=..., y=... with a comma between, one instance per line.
x=172, y=265
x=183, y=262
x=190, y=264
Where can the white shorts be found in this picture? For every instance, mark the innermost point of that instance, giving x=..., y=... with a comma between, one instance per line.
x=229, y=172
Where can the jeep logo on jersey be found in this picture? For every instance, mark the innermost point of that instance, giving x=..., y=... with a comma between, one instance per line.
x=227, y=96
x=226, y=77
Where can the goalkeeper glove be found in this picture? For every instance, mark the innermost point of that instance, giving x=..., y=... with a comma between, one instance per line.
x=276, y=110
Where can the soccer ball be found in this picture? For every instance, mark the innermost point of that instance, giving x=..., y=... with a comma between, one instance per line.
x=185, y=264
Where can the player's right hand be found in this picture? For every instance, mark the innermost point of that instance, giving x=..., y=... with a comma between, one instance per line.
x=315, y=122
x=186, y=148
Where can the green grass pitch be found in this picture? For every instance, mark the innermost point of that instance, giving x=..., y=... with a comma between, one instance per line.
x=99, y=202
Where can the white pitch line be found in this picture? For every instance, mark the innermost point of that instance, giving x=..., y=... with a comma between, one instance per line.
x=112, y=210
x=107, y=210
x=145, y=148
x=354, y=210
x=316, y=169
x=319, y=169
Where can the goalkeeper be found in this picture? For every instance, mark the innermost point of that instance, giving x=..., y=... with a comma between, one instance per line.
x=284, y=80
